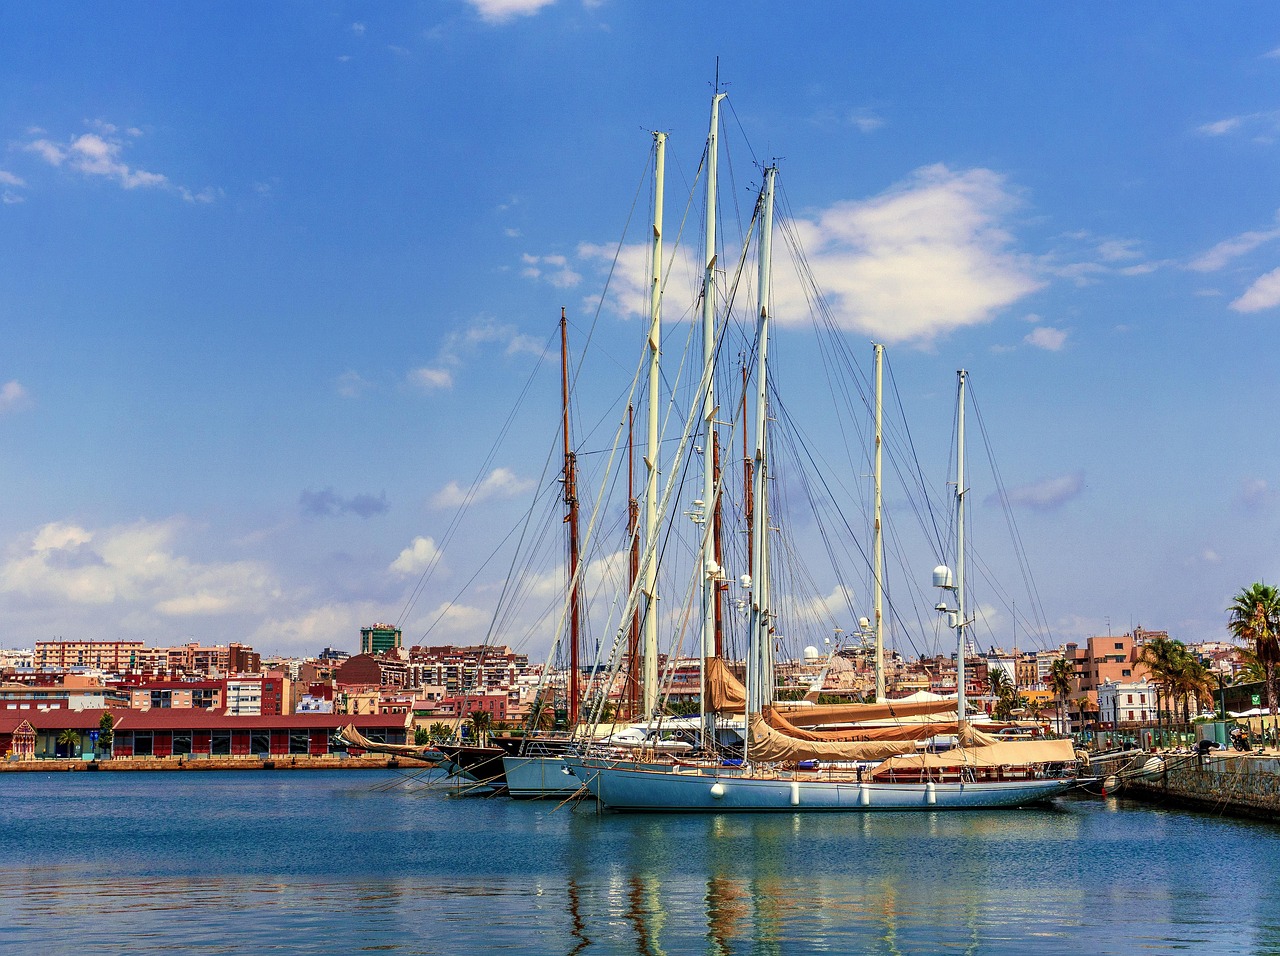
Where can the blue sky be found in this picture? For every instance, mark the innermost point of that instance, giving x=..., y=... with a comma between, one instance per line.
x=272, y=277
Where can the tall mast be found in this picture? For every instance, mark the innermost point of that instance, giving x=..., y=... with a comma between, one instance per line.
x=758, y=642
x=718, y=547
x=571, y=519
x=710, y=573
x=650, y=654
x=960, y=496
x=877, y=538
x=633, y=535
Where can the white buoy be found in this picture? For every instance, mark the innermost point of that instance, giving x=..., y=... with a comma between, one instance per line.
x=930, y=793
x=717, y=790
x=795, y=793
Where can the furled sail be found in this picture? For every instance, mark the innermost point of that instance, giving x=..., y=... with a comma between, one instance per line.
x=766, y=745
x=999, y=753
x=726, y=695
x=356, y=739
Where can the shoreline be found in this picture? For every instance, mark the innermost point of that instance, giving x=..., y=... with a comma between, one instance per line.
x=173, y=764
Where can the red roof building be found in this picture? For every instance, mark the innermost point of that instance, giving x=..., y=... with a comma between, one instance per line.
x=195, y=732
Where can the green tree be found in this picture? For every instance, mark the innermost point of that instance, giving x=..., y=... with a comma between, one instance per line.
x=106, y=732
x=421, y=736
x=1061, y=676
x=70, y=739
x=1254, y=618
x=439, y=731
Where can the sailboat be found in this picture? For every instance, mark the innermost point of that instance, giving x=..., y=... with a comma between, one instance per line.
x=790, y=764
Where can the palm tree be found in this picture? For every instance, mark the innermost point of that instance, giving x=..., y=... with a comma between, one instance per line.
x=1061, y=676
x=1083, y=706
x=1194, y=683
x=1001, y=686
x=439, y=731
x=1255, y=620
x=70, y=739
x=1163, y=657
x=480, y=721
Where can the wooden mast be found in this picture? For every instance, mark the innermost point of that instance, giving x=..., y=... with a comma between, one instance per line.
x=571, y=519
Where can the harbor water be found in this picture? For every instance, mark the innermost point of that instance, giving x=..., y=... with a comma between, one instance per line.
x=359, y=861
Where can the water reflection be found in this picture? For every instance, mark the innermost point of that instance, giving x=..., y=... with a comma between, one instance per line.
x=329, y=865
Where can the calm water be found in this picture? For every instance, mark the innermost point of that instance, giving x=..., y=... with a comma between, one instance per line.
x=355, y=861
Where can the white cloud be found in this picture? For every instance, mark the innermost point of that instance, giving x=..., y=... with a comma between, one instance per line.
x=1220, y=127
x=502, y=11
x=1263, y=294
x=328, y=625
x=100, y=154
x=461, y=346
x=357, y=29
x=1264, y=125
x=416, y=558
x=1230, y=249
x=9, y=179
x=1046, y=495
x=1047, y=338
x=1254, y=494
x=12, y=396
x=431, y=378
x=131, y=564
x=928, y=256
x=352, y=384
x=552, y=269
x=454, y=619
x=499, y=483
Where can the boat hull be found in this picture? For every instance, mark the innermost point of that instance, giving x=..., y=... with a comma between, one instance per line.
x=539, y=778
x=699, y=790
x=480, y=765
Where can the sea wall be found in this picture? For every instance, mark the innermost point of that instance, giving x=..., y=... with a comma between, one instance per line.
x=1234, y=784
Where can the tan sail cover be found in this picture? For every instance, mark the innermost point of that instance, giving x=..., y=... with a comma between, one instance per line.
x=916, y=730
x=1001, y=753
x=726, y=695
x=772, y=746
x=817, y=714
x=357, y=739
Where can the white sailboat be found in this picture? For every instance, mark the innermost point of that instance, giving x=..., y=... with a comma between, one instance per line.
x=787, y=767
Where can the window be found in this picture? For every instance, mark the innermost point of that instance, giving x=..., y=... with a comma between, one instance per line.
x=182, y=742
x=299, y=742
x=161, y=698
x=1130, y=699
x=142, y=743
x=202, y=698
x=1119, y=645
x=220, y=744
x=260, y=742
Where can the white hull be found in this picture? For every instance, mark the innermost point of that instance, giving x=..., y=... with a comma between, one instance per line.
x=621, y=787
x=535, y=778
